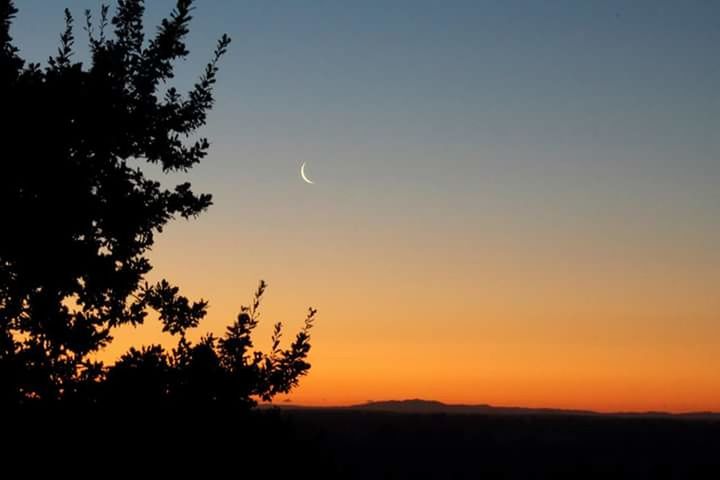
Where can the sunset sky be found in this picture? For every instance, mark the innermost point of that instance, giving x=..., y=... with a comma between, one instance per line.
x=515, y=203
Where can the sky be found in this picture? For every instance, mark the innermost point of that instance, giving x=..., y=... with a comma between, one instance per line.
x=515, y=202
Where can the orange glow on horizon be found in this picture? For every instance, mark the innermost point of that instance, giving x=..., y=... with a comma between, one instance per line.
x=620, y=348
x=512, y=313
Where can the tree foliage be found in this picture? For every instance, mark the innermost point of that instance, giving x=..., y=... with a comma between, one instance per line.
x=79, y=215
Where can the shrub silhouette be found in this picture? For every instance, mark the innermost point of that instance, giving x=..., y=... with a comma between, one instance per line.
x=79, y=215
x=221, y=370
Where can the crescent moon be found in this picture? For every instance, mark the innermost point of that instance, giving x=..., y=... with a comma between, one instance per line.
x=302, y=174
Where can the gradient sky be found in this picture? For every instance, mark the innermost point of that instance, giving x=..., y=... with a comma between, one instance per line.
x=516, y=203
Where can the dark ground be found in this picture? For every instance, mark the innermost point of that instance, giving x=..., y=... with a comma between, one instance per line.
x=356, y=444
x=392, y=445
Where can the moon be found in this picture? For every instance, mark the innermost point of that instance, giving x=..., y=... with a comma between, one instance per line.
x=302, y=174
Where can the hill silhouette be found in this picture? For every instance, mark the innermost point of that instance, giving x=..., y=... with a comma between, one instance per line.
x=428, y=439
x=371, y=441
x=434, y=406
x=420, y=406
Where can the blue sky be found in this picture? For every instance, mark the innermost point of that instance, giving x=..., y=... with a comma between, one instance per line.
x=563, y=112
x=548, y=134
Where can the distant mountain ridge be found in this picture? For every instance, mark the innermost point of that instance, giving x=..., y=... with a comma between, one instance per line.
x=420, y=406
x=417, y=405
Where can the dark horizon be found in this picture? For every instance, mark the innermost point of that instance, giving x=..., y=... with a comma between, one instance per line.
x=417, y=405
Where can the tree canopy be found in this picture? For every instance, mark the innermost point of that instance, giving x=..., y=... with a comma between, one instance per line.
x=79, y=214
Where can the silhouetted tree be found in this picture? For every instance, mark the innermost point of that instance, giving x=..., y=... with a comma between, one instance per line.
x=223, y=370
x=79, y=214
